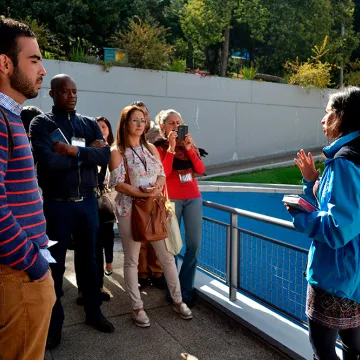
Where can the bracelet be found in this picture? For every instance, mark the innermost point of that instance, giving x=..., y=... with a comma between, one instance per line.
x=171, y=151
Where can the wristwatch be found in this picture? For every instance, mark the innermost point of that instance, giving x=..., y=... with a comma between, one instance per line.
x=171, y=151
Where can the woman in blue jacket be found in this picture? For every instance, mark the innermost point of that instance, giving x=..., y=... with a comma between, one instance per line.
x=333, y=270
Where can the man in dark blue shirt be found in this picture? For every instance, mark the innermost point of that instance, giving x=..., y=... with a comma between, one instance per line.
x=67, y=174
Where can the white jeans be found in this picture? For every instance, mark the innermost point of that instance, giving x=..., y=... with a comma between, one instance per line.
x=131, y=259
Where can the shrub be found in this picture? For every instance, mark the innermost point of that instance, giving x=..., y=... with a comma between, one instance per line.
x=178, y=65
x=313, y=72
x=312, y=75
x=48, y=42
x=145, y=45
x=352, y=74
x=248, y=72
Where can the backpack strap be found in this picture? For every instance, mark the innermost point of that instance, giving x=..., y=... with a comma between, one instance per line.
x=10, y=135
x=350, y=151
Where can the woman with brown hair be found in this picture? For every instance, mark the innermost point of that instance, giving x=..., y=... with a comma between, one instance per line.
x=147, y=178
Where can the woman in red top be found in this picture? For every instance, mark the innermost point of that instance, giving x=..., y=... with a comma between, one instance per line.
x=181, y=161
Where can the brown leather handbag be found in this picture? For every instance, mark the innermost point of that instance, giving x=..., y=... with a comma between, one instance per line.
x=148, y=217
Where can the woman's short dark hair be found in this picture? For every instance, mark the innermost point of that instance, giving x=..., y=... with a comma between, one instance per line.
x=27, y=114
x=110, y=138
x=346, y=107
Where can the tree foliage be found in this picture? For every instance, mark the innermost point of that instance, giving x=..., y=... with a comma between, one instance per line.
x=146, y=45
x=313, y=72
x=203, y=32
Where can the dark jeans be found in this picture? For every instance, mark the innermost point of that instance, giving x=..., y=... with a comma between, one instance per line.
x=105, y=242
x=323, y=341
x=190, y=211
x=78, y=220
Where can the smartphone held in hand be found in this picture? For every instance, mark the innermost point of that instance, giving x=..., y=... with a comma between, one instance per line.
x=182, y=132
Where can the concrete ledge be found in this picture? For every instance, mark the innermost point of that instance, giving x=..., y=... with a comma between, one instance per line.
x=280, y=332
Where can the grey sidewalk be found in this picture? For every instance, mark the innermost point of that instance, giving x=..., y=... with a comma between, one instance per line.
x=271, y=161
x=210, y=335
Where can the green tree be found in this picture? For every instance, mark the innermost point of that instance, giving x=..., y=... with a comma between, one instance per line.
x=207, y=23
x=356, y=53
x=341, y=46
x=289, y=29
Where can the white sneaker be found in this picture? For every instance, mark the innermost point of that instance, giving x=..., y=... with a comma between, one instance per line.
x=184, y=312
x=140, y=318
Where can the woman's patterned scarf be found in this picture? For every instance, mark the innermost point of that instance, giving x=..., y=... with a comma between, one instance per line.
x=181, y=160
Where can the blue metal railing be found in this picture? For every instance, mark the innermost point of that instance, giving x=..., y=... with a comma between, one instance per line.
x=264, y=268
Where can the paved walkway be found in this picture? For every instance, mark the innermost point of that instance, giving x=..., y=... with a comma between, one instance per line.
x=210, y=335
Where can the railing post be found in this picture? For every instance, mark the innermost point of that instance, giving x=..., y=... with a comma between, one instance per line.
x=228, y=252
x=233, y=257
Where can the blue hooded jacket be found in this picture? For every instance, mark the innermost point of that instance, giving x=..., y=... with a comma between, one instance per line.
x=334, y=255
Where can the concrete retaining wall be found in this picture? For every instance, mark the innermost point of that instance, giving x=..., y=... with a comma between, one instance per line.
x=231, y=119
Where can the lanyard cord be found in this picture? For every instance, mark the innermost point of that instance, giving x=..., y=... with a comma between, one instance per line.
x=143, y=161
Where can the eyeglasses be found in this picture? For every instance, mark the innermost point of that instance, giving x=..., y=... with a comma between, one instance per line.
x=138, y=121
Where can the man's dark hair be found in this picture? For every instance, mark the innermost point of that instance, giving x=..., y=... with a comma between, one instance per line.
x=27, y=114
x=139, y=103
x=10, y=31
x=346, y=106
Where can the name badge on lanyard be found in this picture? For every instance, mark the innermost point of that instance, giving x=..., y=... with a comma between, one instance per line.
x=79, y=142
x=186, y=177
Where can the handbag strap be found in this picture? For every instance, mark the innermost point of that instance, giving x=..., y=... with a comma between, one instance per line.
x=166, y=194
x=10, y=135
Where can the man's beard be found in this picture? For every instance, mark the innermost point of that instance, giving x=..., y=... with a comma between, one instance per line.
x=20, y=83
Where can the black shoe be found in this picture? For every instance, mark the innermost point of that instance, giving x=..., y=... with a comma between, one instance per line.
x=100, y=323
x=143, y=283
x=104, y=296
x=108, y=272
x=80, y=301
x=52, y=342
x=158, y=282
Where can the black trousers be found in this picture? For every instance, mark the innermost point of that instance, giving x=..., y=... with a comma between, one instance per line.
x=323, y=341
x=105, y=243
x=79, y=221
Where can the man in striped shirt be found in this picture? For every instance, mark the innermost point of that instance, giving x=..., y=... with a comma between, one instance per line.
x=26, y=286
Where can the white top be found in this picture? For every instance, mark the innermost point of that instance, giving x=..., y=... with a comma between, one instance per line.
x=143, y=167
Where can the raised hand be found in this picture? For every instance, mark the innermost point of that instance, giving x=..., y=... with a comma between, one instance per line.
x=172, y=140
x=189, y=142
x=306, y=165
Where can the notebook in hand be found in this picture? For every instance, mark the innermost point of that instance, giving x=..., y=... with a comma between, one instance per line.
x=299, y=203
x=58, y=135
